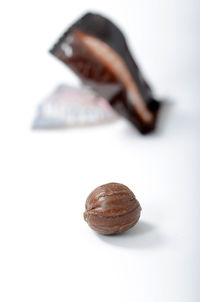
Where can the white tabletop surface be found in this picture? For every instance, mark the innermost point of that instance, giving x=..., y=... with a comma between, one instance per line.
x=47, y=251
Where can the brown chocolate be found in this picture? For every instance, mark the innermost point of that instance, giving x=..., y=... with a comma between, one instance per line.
x=112, y=208
x=95, y=49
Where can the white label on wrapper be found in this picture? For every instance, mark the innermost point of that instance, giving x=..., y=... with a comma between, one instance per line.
x=69, y=106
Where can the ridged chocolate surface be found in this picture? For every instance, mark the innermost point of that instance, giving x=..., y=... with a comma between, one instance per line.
x=112, y=208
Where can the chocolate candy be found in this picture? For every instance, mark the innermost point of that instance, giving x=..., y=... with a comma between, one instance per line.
x=96, y=50
x=112, y=208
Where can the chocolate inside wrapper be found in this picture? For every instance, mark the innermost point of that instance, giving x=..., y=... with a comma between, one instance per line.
x=96, y=50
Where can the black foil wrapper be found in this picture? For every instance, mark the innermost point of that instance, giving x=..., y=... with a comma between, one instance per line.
x=96, y=50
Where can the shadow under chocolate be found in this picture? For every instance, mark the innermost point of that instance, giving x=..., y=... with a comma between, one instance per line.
x=142, y=236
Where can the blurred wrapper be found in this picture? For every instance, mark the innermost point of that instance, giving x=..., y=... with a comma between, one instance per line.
x=70, y=107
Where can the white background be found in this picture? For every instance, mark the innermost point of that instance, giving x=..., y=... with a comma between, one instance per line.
x=47, y=251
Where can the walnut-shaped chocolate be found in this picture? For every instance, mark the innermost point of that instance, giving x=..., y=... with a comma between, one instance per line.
x=112, y=208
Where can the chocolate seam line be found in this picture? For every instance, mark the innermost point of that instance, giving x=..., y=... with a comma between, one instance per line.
x=98, y=200
x=88, y=212
x=129, y=198
x=107, y=229
x=117, y=193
